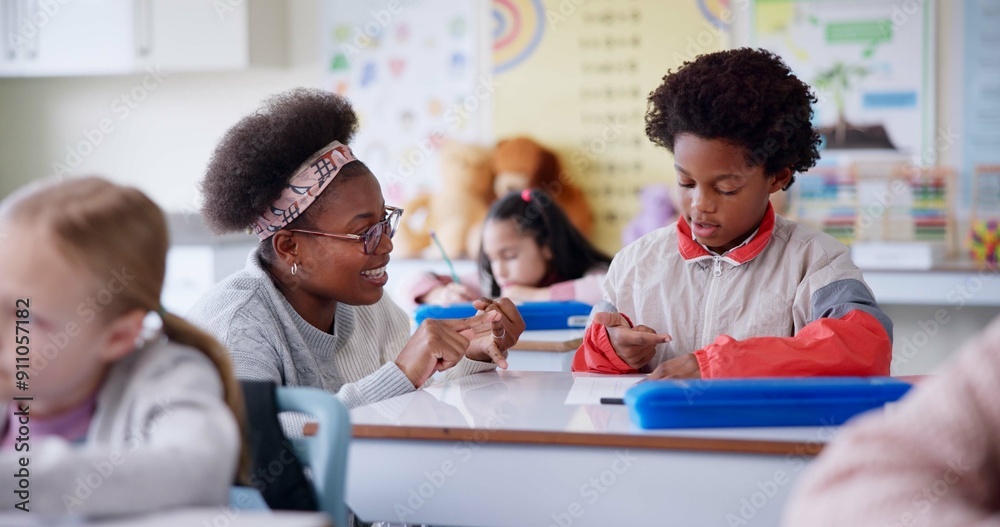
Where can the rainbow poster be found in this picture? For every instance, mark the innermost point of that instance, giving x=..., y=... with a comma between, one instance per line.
x=717, y=12
x=518, y=26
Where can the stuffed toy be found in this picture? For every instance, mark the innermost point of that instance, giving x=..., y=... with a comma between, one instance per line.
x=521, y=163
x=455, y=212
x=656, y=209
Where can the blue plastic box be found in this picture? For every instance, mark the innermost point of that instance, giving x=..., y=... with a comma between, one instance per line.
x=537, y=315
x=726, y=403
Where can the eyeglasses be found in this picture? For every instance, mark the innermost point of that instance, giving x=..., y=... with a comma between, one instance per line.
x=371, y=237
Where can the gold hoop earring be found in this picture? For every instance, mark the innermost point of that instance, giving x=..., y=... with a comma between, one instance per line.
x=295, y=268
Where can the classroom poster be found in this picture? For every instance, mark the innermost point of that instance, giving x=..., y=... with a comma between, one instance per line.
x=413, y=71
x=981, y=101
x=870, y=63
x=575, y=76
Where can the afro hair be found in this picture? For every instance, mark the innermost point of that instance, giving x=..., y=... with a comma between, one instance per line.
x=255, y=159
x=746, y=97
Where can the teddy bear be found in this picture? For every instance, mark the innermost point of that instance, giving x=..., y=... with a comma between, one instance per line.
x=656, y=209
x=455, y=212
x=521, y=162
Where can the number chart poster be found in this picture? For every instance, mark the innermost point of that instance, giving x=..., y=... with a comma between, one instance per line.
x=575, y=76
x=870, y=63
x=412, y=71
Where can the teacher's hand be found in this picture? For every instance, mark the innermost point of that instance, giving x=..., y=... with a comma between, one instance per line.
x=492, y=346
x=439, y=344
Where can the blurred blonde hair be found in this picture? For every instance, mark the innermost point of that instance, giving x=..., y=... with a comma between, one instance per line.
x=106, y=227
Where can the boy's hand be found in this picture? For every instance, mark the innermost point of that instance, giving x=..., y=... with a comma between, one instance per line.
x=636, y=346
x=685, y=367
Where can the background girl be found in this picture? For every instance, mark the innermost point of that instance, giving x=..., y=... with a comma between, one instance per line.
x=530, y=252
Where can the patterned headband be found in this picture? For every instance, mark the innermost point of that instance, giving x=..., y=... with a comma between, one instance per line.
x=303, y=188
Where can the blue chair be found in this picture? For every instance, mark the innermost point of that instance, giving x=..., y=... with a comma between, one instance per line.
x=325, y=452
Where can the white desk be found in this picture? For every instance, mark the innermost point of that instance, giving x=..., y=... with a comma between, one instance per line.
x=502, y=449
x=550, y=356
x=948, y=285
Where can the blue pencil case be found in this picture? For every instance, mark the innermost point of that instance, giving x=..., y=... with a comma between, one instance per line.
x=732, y=403
x=537, y=315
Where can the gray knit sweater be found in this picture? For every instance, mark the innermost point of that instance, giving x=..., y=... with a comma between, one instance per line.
x=270, y=341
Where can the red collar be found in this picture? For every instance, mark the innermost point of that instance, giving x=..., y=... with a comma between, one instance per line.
x=692, y=250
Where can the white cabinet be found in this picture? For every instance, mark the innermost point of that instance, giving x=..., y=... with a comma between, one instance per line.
x=75, y=37
x=106, y=37
x=9, y=40
x=193, y=35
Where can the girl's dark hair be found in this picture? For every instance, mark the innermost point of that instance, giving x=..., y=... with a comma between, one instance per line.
x=256, y=157
x=540, y=217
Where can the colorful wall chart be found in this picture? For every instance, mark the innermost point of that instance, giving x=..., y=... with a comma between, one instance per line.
x=575, y=76
x=412, y=70
x=870, y=63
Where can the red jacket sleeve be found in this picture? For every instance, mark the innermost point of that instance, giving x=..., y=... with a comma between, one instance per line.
x=597, y=355
x=855, y=344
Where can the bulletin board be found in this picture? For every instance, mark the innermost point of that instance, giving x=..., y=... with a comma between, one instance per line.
x=415, y=74
x=576, y=75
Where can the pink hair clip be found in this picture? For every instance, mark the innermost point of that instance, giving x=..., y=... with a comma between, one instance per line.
x=526, y=195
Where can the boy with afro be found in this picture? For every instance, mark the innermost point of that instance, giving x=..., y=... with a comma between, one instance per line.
x=732, y=289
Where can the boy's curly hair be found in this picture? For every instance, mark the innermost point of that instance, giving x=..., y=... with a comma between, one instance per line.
x=257, y=156
x=747, y=97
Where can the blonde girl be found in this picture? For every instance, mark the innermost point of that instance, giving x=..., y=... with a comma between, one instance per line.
x=120, y=419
